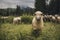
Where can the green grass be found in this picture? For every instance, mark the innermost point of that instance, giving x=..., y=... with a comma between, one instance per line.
x=50, y=31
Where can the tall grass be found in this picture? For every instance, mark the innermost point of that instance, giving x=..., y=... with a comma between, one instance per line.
x=51, y=31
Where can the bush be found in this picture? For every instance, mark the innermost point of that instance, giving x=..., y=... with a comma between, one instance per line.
x=8, y=20
x=26, y=19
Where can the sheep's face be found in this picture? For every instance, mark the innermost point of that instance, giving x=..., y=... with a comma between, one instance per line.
x=38, y=15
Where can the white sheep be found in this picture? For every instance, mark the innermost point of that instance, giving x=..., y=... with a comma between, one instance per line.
x=58, y=19
x=17, y=20
x=37, y=21
x=47, y=17
x=53, y=19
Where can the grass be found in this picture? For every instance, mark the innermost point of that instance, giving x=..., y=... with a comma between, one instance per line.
x=51, y=31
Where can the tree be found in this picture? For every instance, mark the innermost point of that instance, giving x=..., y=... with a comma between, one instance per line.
x=52, y=8
x=18, y=11
x=40, y=5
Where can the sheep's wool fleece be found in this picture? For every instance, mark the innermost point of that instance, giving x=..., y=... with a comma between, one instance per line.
x=37, y=25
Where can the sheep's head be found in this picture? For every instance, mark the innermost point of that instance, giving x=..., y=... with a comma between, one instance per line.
x=38, y=15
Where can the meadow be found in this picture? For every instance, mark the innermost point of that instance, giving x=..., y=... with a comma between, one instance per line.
x=9, y=31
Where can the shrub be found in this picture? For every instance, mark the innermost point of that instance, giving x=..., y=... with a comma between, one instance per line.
x=26, y=19
x=8, y=20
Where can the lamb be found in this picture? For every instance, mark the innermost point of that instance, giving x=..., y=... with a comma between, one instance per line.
x=17, y=20
x=37, y=21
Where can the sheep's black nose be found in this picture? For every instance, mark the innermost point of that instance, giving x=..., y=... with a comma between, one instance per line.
x=38, y=19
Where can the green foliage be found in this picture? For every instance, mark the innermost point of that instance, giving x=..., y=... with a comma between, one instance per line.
x=52, y=8
x=7, y=20
x=26, y=19
x=10, y=19
x=40, y=5
x=18, y=11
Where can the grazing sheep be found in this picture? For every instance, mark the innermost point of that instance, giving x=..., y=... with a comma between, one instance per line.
x=56, y=15
x=16, y=20
x=58, y=19
x=49, y=18
x=45, y=18
x=53, y=19
x=37, y=21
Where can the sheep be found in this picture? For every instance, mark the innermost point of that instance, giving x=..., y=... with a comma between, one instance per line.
x=58, y=19
x=53, y=19
x=16, y=20
x=37, y=22
x=56, y=15
x=45, y=18
x=49, y=18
